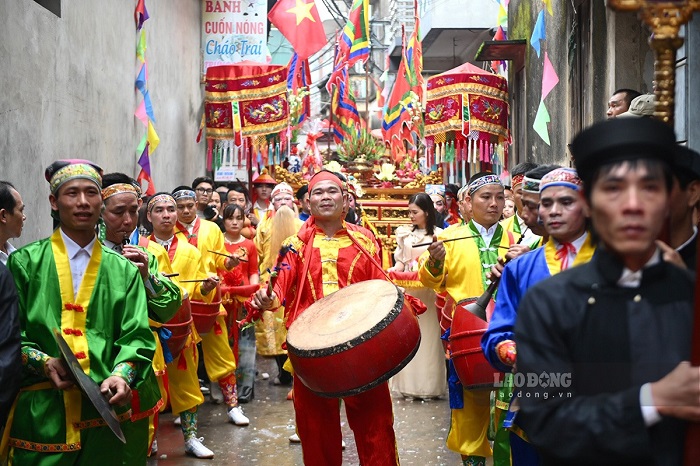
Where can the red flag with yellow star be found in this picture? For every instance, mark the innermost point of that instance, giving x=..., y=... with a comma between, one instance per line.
x=299, y=22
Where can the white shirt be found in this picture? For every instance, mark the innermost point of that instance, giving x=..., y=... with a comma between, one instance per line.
x=691, y=239
x=190, y=226
x=486, y=233
x=10, y=249
x=78, y=257
x=577, y=244
x=113, y=246
x=528, y=236
x=165, y=243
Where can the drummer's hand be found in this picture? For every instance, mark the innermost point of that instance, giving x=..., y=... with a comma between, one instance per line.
x=437, y=250
x=231, y=262
x=671, y=255
x=517, y=250
x=138, y=257
x=118, y=390
x=57, y=373
x=262, y=301
x=209, y=284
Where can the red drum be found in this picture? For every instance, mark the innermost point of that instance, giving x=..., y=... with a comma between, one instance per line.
x=354, y=339
x=180, y=328
x=232, y=304
x=473, y=369
x=204, y=314
x=444, y=305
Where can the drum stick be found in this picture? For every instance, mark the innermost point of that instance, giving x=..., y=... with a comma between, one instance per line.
x=445, y=240
x=200, y=280
x=168, y=275
x=227, y=255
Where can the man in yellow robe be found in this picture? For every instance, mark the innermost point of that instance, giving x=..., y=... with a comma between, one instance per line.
x=460, y=267
x=206, y=236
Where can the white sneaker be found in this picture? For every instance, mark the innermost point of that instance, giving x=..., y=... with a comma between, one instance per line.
x=294, y=438
x=154, y=447
x=342, y=444
x=194, y=447
x=177, y=421
x=236, y=416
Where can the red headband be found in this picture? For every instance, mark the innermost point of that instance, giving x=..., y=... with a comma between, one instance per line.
x=517, y=179
x=325, y=175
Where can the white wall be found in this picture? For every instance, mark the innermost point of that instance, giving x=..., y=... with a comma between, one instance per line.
x=67, y=91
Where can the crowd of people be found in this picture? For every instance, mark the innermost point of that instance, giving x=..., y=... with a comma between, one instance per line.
x=587, y=295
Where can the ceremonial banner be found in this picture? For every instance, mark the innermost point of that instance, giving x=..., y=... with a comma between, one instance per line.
x=234, y=31
x=260, y=92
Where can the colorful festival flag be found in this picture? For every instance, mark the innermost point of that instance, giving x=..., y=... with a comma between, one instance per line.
x=145, y=173
x=396, y=115
x=153, y=139
x=300, y=23
x=538, y=33
x=346, y=119
x=354, y=41
x=140, y=14
x=541, y=120
x=299, y=78
x=414, y=57
x=549, y=77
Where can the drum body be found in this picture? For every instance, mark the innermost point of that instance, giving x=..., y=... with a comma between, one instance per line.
x=354, y=339
x=204, y=314
x=179, y=327
x=474, y=371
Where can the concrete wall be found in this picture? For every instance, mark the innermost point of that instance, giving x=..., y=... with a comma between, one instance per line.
x=67, y=91
x=609, y=52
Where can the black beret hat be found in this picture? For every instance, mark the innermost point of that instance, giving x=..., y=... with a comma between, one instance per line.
x=622, y=139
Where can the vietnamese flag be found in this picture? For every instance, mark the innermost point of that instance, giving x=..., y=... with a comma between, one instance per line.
x=300, y=24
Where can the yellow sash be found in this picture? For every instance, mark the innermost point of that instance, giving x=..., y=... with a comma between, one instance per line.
x=582, y=256
x=73, y=317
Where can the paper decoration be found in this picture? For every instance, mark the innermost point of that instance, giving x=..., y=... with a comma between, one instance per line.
x=541, y=120
x=153, y=139
x=548, y=4
x=549, y=77
x=538, y=33
x=141, y=114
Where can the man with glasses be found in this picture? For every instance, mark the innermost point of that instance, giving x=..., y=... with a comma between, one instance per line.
x=203, y=186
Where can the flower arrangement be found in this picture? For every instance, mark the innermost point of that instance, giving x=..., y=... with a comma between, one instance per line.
x=386, y=174
x=361, y=148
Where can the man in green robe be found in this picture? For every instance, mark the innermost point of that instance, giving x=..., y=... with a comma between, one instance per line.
x=121, y=197
x=96, y=298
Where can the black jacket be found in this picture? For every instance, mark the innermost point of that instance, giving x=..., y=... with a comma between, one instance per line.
x=10, y=357
x=610, y=341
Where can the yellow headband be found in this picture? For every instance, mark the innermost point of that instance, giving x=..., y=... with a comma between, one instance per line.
x=119, y=188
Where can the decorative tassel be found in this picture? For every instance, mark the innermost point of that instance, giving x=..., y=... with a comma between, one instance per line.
x=217, y=328
x=182, y=362
x=210, y=148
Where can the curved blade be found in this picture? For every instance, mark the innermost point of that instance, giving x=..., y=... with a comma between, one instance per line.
x=88, y=386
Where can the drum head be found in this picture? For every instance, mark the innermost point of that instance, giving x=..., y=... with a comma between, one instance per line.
x=345, y=315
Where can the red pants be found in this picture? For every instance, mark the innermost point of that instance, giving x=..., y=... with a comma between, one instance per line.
x=371, y=419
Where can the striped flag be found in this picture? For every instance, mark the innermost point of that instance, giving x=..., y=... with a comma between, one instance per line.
x=346, y=119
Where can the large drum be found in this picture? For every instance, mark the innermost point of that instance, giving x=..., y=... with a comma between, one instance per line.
x=354, y=339
x=204, y=314
x=474, y=371
x=180, y=327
